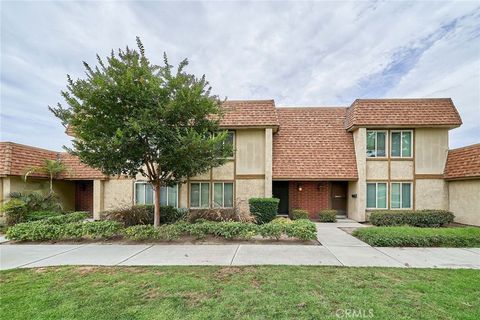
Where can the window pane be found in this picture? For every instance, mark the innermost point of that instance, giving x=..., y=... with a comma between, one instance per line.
x=395, y=196
x=163, y=196
x=204, y=198
x=172, y=196
x=382, y=195
x=217, y=195
x=371, y=195
x=370, y=143
x=148, y=193
x=406, y=202
x=406, y=144
x=140, y=193
x=195, y=195
x=396, y=144
x=381, y=144
x=230, y=138
x=228, y=195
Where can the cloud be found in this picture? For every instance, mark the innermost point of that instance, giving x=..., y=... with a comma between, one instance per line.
x=318, y=53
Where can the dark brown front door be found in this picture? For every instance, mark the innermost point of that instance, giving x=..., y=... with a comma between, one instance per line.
x=339, y=196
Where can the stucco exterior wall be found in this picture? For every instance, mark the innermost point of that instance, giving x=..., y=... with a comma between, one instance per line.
x=117, y=193
x=250, y=151
x=225, y=172
x=377, y=170
x=431, y=150
x=464, y=201
x=401, y=170
x=356, y=206
x=246, y=189
x=431, y=194
x=268, y=161
x=183, y=195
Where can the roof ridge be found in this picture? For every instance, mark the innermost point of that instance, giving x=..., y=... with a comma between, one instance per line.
x=466, y=147
x=10, y=143
x=311, y=107
x=253, y=100
x=401, y=99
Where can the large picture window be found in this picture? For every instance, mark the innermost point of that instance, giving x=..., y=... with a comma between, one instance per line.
x=401, y=195
x=376, y=144
x=223, y=194
x=376, y=195
x=401, y=144
x=199, y=194
x=144, y=194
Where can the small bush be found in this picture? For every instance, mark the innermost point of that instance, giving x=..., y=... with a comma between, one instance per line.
x=219, y=214
x=40, y=215
x=328, y=215
x=39, y=231
x=419, y=237
x=264, y=209
x=66, y=218
x=144, y=214
x=15, y=211
x=282, y=220
x=301, y=229
x=38, y=201
x=299, y=214
x=414, y=218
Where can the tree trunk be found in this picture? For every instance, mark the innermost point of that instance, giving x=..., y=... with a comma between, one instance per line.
x=51, y=184
x=156, y=193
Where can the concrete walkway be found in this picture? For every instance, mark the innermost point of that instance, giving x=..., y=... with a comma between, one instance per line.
x=338, y=249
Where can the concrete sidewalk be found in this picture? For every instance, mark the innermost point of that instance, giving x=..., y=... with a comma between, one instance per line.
x=338, y=249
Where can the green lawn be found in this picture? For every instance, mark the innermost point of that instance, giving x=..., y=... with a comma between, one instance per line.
x=238, y=293
x=419, y=237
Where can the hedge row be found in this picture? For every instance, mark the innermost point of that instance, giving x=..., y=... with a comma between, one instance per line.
x=414, y=218
x=299, y=229
x=419, y=237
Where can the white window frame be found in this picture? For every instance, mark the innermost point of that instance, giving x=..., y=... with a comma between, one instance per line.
x=376, y=195
x=199, y=195
x=223, y=193
x=144, y=183
x=401, y=144
x=376, y=139
x=401, y=195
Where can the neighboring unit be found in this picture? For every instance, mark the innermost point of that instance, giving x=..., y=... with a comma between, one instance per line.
x=375, y=154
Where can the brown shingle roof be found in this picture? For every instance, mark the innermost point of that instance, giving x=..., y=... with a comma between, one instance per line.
x=249, y=113
x=312, y=144
x=402, y=113
x=463, y=163
x=16, y=159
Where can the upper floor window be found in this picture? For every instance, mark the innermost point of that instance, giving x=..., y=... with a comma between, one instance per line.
x=144, y=194
x=230, y=140
x=376, y=143
x=401, y=195
x=401, y=144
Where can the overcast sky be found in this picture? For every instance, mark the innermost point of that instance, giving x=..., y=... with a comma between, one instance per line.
x=300, y=54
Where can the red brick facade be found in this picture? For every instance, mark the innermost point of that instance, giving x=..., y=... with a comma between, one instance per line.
x=315, y=196
x=84, y=196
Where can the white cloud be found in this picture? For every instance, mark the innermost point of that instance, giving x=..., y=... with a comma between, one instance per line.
x=318, y=53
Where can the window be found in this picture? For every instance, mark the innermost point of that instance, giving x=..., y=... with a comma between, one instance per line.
x=144, y=194
x=199, y=195
x=376, y=144
x=230, y=140
x=401, y=196
x=376, y=195
x=401, y=144
x=223, y=195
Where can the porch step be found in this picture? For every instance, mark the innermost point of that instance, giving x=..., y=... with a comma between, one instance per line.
x=341, y=216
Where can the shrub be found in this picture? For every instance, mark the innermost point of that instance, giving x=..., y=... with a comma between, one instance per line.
x=39, y=231
x=272, y=230
x=282, y=220
x=328, y=215
x=66, y=218
x=144, y=214
x=299, y=214
x=40, y=215
x=301, y=229
x=219, y=214
x=419, y=237
x=415, y=218
x=38, y=201
x=264, y=209
x=15, y=211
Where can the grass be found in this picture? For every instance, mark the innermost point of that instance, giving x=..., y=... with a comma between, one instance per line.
x=419, y=237
x=264, y=292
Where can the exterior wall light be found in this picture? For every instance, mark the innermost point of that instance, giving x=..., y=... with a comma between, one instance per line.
x=299, y=187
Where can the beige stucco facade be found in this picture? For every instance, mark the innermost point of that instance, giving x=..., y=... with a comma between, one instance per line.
x=431, y=150
x=357, y=190
x=464, y=201
x=431, y=194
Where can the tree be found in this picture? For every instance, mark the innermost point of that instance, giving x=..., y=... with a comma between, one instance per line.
x=132, y=117
x=52, y=168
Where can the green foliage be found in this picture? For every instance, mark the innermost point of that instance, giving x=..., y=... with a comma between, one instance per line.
x=143, y=214
x=301, y=229
x=66, y=218
x=15, y=211
x=419, y=237
x=130, y=116
x=38, y=201
x=281, y=220
x=40, y=231
x=328, y=215
x=299, y=214
x=40, y=215
x=415, y=218
x=52, y=168
x=264, y=209
x=271, y=230
x=219, y=214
